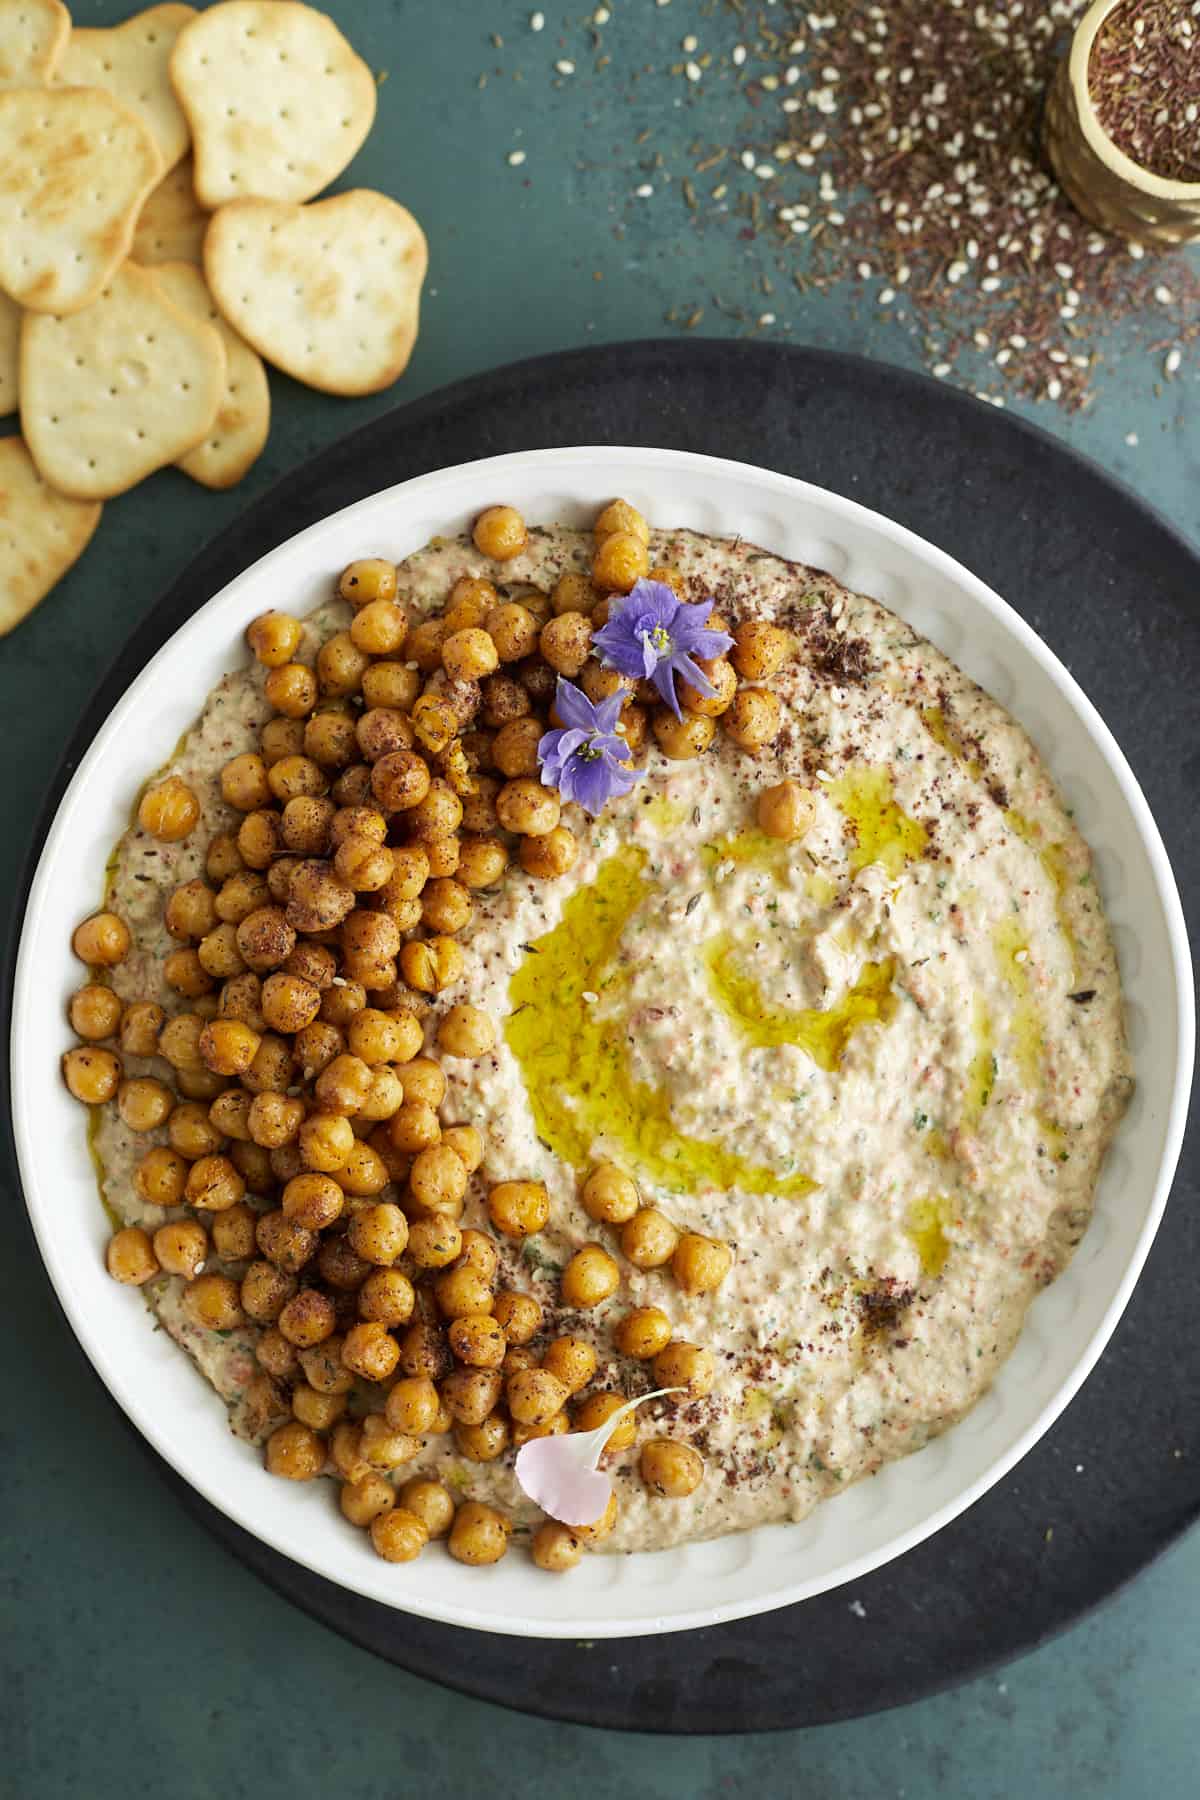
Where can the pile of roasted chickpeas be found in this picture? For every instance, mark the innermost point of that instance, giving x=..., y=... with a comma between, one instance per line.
x=305, y=1151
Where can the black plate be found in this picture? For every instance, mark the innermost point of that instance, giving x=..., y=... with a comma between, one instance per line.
x=1116, y=593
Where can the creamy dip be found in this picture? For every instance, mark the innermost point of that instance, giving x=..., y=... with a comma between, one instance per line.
x=883, y=1064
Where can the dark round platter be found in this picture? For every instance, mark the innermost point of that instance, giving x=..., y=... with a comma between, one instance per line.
x=1115, y=591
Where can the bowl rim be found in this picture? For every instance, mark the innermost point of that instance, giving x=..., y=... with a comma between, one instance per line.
x=651, y=462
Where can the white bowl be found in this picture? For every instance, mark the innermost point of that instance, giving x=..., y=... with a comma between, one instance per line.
x=1067, y=1326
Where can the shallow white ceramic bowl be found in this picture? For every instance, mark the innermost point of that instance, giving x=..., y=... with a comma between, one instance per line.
x=1068, y=1325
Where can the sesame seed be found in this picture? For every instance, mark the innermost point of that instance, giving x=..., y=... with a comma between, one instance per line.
x=537, y=21
x=515, y=159
x=644, y=192
x=1172, y=362
x=692, y=71
x=739, y=55
x=689, y=44
x=565, y=66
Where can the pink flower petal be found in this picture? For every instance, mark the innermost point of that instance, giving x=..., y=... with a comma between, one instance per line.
x=564, y=1488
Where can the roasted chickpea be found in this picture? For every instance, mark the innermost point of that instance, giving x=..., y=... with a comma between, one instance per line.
x=759, y=650
x=380, y=1037
x=620, y=560
x=597, y=1410
x=400, y=780
x=680, y=1364
x=503, y=701
x=304, y=825
x=233, y=1232
x=179, y=1041
x=566, y=642
x=500, y=533
x=472, y=1395
x=525, y=806
x=573, y=593
x=370, y=1350
x=285, y=1242
x=649, y=1239
x=431, y=964
x=383, y=1447
x=365, y=1502
x=519, y=1356
x=478, y=1340
x=274, y=638
x=213, y=1301
x=339, y=1264
x=436, y=816
x=281, y=737
x=213, y=1183
x=590, y=1277
x=466, y=1143
x=340, y=666
x=185, y=973
x=103, y=940
x=555, y=1547
x=219, y=956
x=519, y=1316
x=416, y=1125
x=379, y=1233
x=424, y=646
x=141, y=1023
x=191, y=910
x=341, y=1002
x=721, y=680
x=345, y=1442
x=295, y=1452
x=396, y=1534
x=572, y=1360
x=384, y=1097
x=671, y=1470
x=144, y=1103
x=434, y=1242
x=609, y=1196
x=244, y=782
x=518, y=1208
x=479, y=1534
x=387, y=1296
x=316, y=1046
x=786, y=811
x=292, y=690
x=342, y=1085
x=379, y=628
x=160, y=1178
x=312, y=1199
x=237, y=898
x=92, y=1075
x=643, y=1333
x=228, y=1047
x=486, y=1441
x=363, y=865
x=513, y=630
x=554, y=1427
x=199, y=1084
x=222, y=859
x=329, y=738
x=482, y=862
x=130, y=1257
x=272, y=1069
x=274, y=1120
x=95, y=1013
x=289, y=1003
x=169, y=810
x=308, y=1318
x=463, y=1291
x=549, y=856
x=391, y=684
x=369, y=578
x=515, y=748
x=754, y=718
x=469, y=654
x=324, y=1369
x=479, y=808
x=272, y=1351
x=534, y=1396
x=700, y=1264
x=632, y=726
x=601, y=684
x=438, y=1181
x=424, y=1084
x=619, y=515
x=681, y=739
x=424, y=1351
x=600, y=1528
x=430, y=1502
x=181, y=1247
x=466, y=1031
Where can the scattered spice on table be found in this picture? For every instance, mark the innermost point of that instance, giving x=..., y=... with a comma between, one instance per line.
x=1144, y=79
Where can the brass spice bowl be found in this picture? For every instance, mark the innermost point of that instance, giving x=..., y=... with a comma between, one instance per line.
x=1102, y=183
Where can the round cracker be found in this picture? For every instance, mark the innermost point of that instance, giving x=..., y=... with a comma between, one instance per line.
x=130, y=61
x=329, y=292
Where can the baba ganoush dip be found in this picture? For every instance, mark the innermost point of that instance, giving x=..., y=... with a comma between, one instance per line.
x=882, y=1064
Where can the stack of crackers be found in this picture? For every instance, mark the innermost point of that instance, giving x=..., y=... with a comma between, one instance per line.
x=157, y=242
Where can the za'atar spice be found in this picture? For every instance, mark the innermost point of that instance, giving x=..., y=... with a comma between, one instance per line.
x=1144, y=80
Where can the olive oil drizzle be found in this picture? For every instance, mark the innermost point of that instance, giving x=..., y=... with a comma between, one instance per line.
x=572, y=1053
x=822, y=1035
x=884, y=832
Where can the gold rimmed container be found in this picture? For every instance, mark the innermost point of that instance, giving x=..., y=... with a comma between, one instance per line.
x=1102, y=183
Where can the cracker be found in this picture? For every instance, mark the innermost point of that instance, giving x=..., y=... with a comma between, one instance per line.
x=33, y=36
x=77, y=167
x=171, y=226
x=277, y=100
x=330, y=293
x=240, y=429
x=112, y=393
x=41, y=533
x=10, y=333
x=130, y=61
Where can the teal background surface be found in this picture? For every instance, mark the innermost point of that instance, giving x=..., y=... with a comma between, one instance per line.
x=136, y=1658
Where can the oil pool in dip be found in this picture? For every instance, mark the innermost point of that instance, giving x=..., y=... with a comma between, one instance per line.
x=882, y=1063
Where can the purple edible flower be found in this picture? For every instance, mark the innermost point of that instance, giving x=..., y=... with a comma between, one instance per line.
x=584, y=759
x=653, y=632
